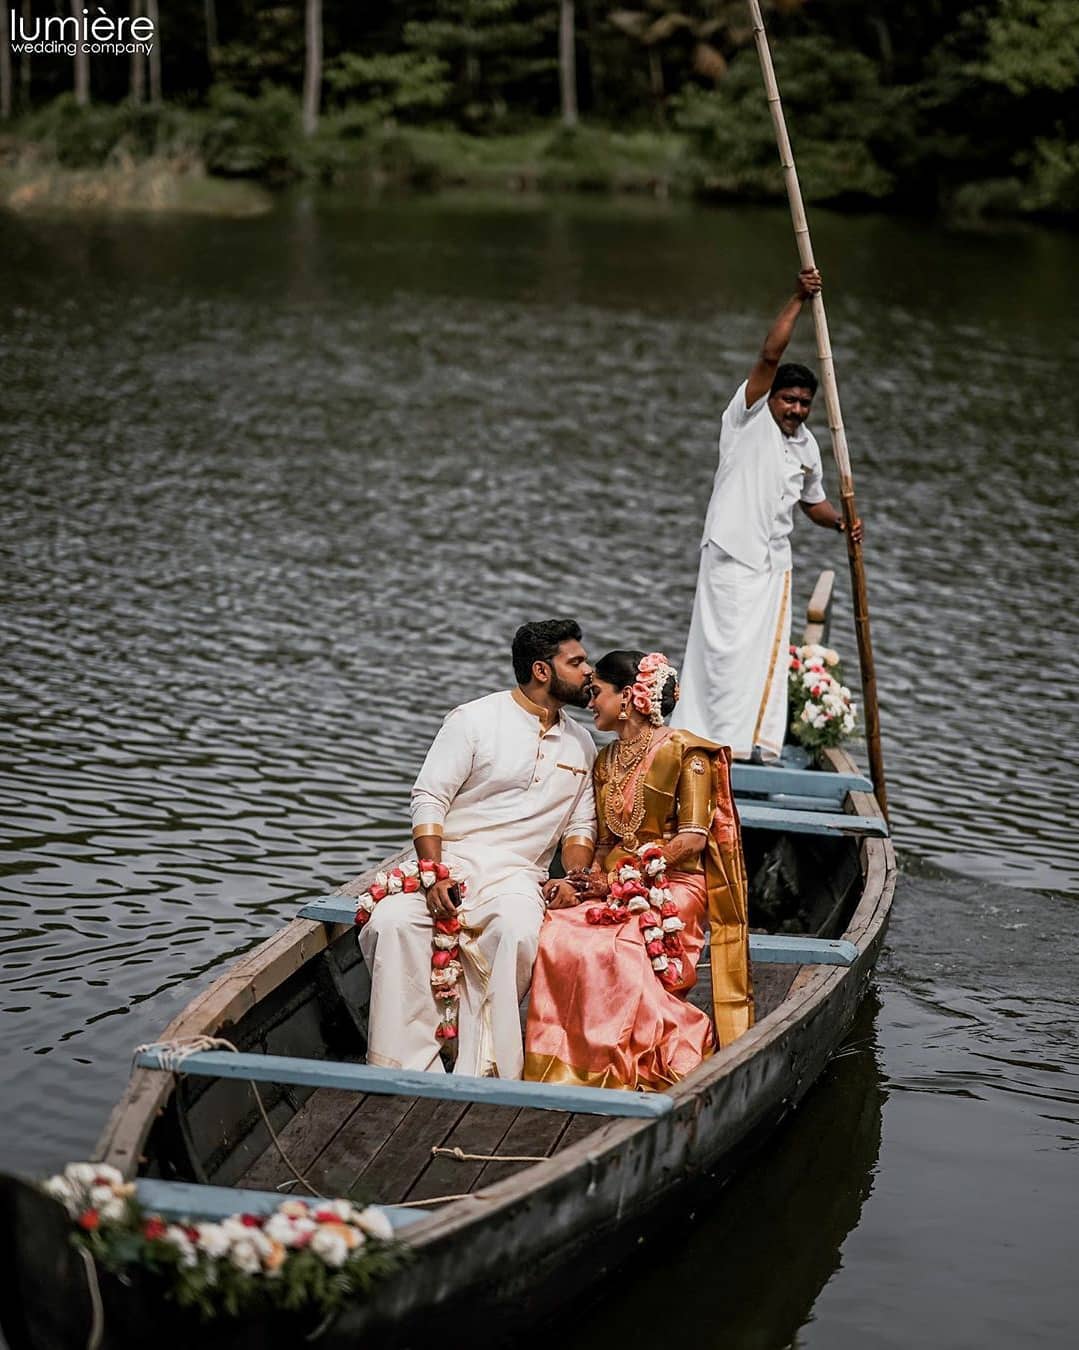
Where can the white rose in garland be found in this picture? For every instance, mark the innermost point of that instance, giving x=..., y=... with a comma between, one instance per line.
x=305, y=1255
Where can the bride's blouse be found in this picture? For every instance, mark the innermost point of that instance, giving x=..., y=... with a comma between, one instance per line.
x=679, y=792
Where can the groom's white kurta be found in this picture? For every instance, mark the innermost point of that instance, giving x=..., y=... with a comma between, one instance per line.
x=503, y=783
x=734, y=677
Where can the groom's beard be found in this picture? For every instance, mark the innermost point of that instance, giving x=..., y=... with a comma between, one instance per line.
x=576, y=697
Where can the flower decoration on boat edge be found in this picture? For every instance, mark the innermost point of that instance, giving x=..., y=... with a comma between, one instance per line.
x=823, y=711
x=306, y=1253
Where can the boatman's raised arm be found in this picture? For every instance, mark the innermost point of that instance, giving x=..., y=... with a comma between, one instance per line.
x=790, y=403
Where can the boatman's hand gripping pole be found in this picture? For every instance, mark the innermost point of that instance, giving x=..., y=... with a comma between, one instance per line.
x=835, y=416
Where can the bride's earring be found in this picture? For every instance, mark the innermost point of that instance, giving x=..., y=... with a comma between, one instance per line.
x=623, y=716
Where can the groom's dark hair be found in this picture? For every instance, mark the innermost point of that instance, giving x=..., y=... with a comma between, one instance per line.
x=539, y=641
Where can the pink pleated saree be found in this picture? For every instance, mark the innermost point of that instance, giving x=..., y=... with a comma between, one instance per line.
x=598, y=1016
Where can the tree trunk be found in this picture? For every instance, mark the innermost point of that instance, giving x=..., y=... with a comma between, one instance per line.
x=24, y=64
x=312, y=70
x=567, y=63
x=655, y=70
x=210, y=10
x=138, y=62
x=82, y=62
x=155, y=52
x=5, y=64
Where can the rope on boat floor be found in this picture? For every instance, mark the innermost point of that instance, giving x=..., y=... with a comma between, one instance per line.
x=461, y=1156
x=173, y=1054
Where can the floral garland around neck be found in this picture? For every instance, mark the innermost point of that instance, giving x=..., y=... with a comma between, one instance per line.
x=446, y=967
x=646, y=692
x=642, y=890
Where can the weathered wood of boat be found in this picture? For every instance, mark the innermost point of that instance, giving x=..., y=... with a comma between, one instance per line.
x=525, y=1236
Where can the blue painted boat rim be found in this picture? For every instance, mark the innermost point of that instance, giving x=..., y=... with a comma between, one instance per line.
x=193, y=1200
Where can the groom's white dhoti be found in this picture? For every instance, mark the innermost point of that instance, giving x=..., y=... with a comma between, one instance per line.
x=734, y=676
x=503, y=784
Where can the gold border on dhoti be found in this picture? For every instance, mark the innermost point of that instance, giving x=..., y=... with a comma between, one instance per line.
x=777, y=642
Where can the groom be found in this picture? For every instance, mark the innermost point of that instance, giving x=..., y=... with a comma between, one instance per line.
x=507, y=779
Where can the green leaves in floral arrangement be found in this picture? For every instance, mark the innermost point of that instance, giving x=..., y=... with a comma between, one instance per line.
x=307, y=1257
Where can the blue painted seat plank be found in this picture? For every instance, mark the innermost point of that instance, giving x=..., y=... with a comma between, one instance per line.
x=790, y=802
x=769, y=778
x=762, y=946
x=760, y=816
x=793, y=949
x=189, y=1200
x=326, y=1073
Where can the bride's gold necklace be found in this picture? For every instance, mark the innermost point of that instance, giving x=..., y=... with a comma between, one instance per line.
x=627, y=756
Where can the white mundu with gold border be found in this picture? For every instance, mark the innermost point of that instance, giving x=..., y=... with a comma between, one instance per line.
x=734, y=677
x=504, y=783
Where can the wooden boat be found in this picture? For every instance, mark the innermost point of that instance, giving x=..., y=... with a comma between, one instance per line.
x=554, y=1185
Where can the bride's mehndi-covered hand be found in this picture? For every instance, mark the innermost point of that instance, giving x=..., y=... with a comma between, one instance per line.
x=688, y=844
x=590, y=883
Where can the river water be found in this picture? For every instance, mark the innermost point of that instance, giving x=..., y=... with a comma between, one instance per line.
x=276, y=494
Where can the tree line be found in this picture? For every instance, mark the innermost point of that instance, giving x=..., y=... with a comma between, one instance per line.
x=918, y=104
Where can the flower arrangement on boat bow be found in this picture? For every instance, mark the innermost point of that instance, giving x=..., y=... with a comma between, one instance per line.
x=823, y=712
x=642, y=890
x=308, y=1256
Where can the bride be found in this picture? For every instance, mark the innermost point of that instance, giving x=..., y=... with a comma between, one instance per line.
x=618, y=949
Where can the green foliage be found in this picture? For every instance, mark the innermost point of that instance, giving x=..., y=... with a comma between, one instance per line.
x=833, y=101
x=965, y=108
x=372, y=89
x=499, y=52
x=1034, y=44
x=253, y=137
x=271, y=50
x=1054, y=177
x=84, y=138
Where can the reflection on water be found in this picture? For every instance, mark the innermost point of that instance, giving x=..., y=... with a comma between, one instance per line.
x=275, y=493
x=746, y=1265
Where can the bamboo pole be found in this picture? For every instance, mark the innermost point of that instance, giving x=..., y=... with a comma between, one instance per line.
x=835, y=415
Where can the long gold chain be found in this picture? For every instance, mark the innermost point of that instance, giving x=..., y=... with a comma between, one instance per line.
x=627, y=756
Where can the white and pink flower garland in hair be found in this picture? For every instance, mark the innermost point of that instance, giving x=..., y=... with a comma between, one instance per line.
x=411, y=876
x=643, y=891
x=646, y=692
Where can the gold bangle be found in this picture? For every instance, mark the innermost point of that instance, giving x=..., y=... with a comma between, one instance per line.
x=426, y=831
x=578, y=839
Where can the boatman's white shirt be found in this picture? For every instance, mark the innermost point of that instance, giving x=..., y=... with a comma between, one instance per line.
x=504, y=776
x=760, y=477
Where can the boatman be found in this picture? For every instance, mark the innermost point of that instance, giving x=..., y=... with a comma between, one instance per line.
x=734, y=677
x=507, y=779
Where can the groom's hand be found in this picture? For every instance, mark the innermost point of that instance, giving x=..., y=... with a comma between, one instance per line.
x=558, y=893
x=440, y=903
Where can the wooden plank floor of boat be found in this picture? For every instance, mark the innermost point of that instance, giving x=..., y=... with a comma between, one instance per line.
x=376, y=1148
